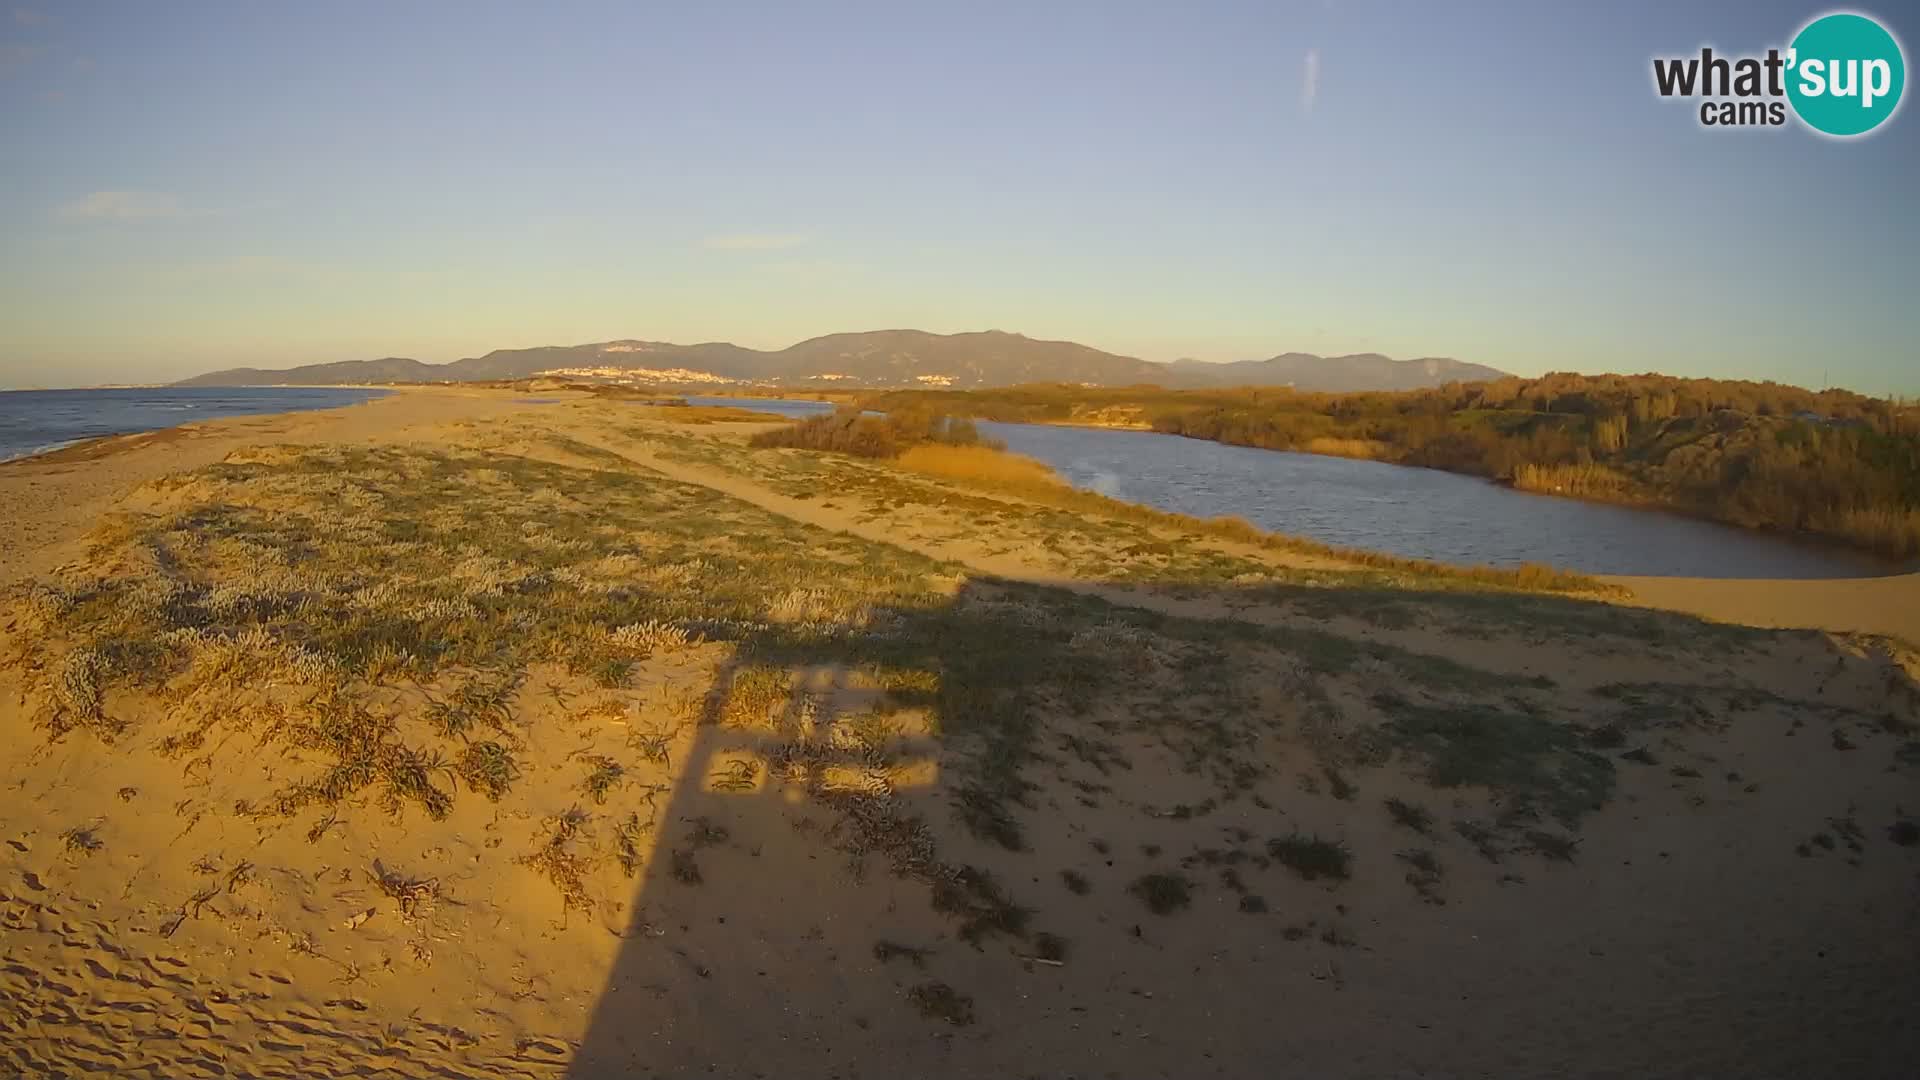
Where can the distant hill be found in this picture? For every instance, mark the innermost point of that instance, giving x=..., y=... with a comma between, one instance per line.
x=1331, y=374
x=386, y=370
x=876, y=358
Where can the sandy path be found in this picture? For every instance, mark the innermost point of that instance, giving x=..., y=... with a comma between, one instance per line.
x=1889, y=605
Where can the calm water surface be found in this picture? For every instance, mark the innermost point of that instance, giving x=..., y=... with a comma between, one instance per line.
x=1422, y=513
x=35, y=421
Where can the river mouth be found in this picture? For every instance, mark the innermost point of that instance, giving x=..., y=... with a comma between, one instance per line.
x=1399, y=509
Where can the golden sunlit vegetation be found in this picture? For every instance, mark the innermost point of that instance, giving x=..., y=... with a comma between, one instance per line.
x=1365, y=449
x=981, y=464
x=1830, y=463
x=1591, y=481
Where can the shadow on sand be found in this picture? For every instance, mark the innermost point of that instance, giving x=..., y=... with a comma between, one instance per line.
x=876, y=855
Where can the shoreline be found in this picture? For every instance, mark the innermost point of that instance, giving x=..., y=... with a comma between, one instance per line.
x=1812, y=541
x=54, y=448
x=84, y=444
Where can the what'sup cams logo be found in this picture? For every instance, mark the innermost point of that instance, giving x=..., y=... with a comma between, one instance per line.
x=1842, y=76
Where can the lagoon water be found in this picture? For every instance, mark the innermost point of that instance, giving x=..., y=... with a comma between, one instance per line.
x=1422, y=513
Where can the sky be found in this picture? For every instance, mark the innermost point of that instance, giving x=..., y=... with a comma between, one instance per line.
x=200, y=185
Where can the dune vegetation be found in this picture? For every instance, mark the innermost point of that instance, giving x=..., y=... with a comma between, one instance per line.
x=493, y=748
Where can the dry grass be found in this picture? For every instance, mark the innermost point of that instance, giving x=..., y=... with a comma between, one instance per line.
x=1364, y=449
x=938, y=1001
x=415, y=896
x=1311, y=857
x=1892, y=530
x=980, y=464
x=563, y=862
x=1163, y=894
x=81, y=841
x=1592, y=481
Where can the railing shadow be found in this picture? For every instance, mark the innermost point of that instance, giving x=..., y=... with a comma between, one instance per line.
x=759, y=902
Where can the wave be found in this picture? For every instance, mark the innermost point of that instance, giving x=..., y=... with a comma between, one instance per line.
x=23, y=453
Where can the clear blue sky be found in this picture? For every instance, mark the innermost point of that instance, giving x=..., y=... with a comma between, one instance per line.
x=195, y=185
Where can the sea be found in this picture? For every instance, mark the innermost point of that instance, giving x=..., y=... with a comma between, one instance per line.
x=37, y=421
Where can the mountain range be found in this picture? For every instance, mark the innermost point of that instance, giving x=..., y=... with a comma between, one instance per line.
x=878, y=358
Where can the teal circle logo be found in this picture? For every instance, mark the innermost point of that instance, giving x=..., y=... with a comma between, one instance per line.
x=1845, y=73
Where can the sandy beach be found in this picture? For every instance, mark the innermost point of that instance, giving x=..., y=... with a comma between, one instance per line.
x=453, y=735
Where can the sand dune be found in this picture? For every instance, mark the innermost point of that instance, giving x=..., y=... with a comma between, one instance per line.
x=451, y=736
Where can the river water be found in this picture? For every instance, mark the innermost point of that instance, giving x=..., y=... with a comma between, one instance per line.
x=1423, y=513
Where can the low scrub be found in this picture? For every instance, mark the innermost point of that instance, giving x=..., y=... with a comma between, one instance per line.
x=1364, y=449
x=851, y=431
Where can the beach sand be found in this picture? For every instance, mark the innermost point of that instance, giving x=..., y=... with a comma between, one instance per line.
x=449, y=735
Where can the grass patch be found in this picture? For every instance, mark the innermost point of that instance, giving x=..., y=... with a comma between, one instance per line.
x=562, y=862
x=416, y=897
x=886, y=951
x=81, y=841
x=1311, y=857
x=976, y=901
x=1409, y=815
x=603, y=775
x=684, y=865
x=1424, y=872
x=938, y=1001
x=1050, y=947
x=1163, y=894
x=1338, y=785
x=628, y=837
x=1484, y=840
x=1555, y=846
x=1519, y=756
x=481, y=699
x=489, y=768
